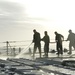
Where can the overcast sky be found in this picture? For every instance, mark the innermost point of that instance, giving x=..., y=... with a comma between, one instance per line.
x=19, y=17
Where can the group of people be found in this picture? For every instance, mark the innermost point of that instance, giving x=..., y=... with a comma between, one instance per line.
x=58, y=39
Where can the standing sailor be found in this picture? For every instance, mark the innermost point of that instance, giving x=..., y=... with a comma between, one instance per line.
x=71, y=39
x=46, y=40
x=59, y=38
x=36, y=41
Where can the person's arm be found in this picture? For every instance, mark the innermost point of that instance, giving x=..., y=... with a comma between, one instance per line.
x=62, y=37
x=56, y=39
x=67, y=38
x=49, y=39
x=33, y=39
x=42, y=39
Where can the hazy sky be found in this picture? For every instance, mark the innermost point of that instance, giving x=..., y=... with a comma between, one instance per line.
x=19, y=17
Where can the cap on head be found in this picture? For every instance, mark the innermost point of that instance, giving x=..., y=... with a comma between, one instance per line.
x=55, y=32
x=70, y=30
x=46, y=32
x=34, y=30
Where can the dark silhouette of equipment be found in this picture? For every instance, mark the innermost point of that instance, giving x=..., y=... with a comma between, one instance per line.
x=69, y=63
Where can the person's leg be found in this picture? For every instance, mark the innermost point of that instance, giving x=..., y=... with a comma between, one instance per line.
x=44, y=50
x=39, y=47
x=70, y=48
x=47, y=50
x=61, y=49
x=58, y=49
x=35, y=47
x=74, y=45
x=46, y=55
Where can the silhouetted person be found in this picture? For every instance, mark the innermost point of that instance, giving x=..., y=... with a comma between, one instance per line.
x=71, y=39
x=46, y=40
x=59, y=38
x=36, y=41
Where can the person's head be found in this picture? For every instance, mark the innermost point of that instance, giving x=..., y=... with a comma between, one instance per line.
x=45, y=32
x=34, y=30
x=70, y=31
x=55, y=32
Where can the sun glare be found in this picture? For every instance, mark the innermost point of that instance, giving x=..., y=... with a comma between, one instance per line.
x=52, y=13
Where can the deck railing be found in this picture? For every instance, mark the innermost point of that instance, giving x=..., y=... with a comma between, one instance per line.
x=15, y=47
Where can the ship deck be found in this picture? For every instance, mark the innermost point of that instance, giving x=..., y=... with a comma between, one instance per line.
x=26, y=65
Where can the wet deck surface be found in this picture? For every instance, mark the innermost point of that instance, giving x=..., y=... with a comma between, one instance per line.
x=26, y=65
x=39, y=66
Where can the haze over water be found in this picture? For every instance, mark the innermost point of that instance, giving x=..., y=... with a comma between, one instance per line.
x=18, y=18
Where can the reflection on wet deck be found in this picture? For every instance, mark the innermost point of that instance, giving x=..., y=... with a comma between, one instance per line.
x=38, y=66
